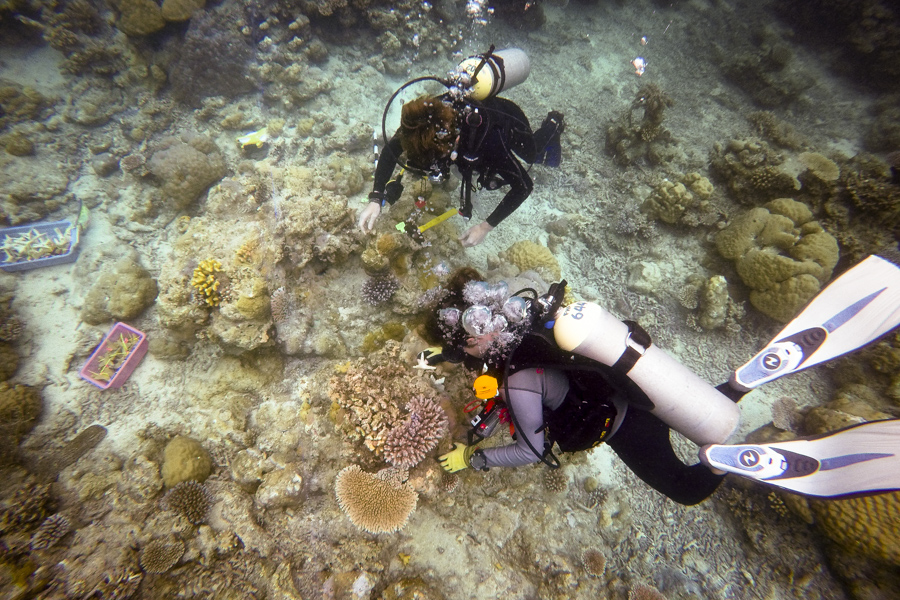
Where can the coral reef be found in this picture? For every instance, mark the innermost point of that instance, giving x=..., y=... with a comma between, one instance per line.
x=762, y=64
x=370, y=391
x=750, y=170
x=20, y=407
x=639, y=132
x=207, y=283
x=380, y=289
x=190, y=499
x=781, y=254
x=593, y=561
x=555, y=480
x=377, y=503
x=405, y=445
x=160, y=555
x=121, y=291
x=671, y=201
x=50, y=531
x=645, y=592
x=779, y=132
x=528, y=255
x=186, y=166
x=185, y=459
x=138, y=17
x=213, y=59
x=712, y=304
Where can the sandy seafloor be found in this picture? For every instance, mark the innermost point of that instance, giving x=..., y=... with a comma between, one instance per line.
x=500, y=534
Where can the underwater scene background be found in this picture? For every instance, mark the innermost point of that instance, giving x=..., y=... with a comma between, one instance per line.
x=204, y=165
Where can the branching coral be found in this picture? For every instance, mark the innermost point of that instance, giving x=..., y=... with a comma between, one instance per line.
x=161, y=555
x=190, y=499
x=377, y=503
x=750, y=170
x=378, y=290
x=407, y=444
x=593, y=561
x=207, y=283
x=369, y=393
x=639, y=133
x=53, y=529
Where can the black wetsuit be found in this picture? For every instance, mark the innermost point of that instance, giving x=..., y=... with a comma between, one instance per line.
x=488, y=150
x=580, y=402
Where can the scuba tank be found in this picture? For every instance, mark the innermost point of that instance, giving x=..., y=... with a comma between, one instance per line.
x=681, y=399
x=493, y=72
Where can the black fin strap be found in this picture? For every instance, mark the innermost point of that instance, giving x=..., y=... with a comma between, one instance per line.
x=636, y=344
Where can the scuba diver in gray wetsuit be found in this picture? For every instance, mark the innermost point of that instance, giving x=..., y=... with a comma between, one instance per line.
x=551, y=396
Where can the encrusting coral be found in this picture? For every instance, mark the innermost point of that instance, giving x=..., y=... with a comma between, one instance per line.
x=377, y=503
x=207, y=283
x=408, y=443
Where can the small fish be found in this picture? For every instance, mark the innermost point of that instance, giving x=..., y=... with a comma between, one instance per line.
x=256, y=138
x=640, y=65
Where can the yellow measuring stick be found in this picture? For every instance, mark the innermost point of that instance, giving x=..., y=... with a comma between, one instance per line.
x=438, y=220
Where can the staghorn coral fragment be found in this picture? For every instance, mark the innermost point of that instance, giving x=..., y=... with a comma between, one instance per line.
x=377, y=503
x=190, y=499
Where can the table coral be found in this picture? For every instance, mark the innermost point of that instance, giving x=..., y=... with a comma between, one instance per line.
x=781, y=255
x=207, y=283
x=377, y=503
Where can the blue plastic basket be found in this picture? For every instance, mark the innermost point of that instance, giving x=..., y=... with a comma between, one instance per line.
x=49, y=229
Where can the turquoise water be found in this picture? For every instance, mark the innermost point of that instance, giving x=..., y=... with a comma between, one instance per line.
x=224, y=153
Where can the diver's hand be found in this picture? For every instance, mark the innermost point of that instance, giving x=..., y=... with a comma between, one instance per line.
x=368, y=216
x=475, y=235
x=457, y=459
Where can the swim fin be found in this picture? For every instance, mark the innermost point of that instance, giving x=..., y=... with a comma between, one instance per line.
x=859, y=460
x=550, y=151
x=853, y=310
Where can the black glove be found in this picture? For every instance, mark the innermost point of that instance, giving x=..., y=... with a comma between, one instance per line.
x=557, y=119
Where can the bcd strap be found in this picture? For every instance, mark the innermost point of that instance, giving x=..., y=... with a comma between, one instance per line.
x=635, y=345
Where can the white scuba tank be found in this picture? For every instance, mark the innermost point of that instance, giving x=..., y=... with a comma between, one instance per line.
x=502, y=70
x=683, y=400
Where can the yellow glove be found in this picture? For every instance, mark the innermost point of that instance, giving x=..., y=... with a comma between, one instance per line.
x=457, y=459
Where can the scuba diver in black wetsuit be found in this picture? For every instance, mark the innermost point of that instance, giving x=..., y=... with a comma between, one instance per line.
x=553, y=396
x=469, y=127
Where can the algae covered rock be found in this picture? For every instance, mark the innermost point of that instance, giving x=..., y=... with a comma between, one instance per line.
x=185, y=459
x=121, y=292
x=138, y=17
x=180, y=10
x=528, y=256
x=782, y=256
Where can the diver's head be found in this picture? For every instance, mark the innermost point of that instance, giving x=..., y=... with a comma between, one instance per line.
x=478, y=319
x=428, y=134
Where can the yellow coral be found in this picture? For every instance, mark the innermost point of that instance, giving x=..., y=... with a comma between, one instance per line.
x=377, y=503
x=528, y=255
x=206, y=283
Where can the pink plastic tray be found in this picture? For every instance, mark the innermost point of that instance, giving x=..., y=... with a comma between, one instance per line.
x=127, y=368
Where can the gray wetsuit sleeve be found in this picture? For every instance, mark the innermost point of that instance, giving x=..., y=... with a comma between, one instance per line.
x=530, y=391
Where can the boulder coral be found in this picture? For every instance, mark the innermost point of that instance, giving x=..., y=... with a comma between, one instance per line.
x=781, y=254
x=121, y=292
x=186, y=166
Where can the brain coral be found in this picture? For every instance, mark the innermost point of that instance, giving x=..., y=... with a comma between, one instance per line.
x=377, y=503
x=781, y=255
x=530, y=256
